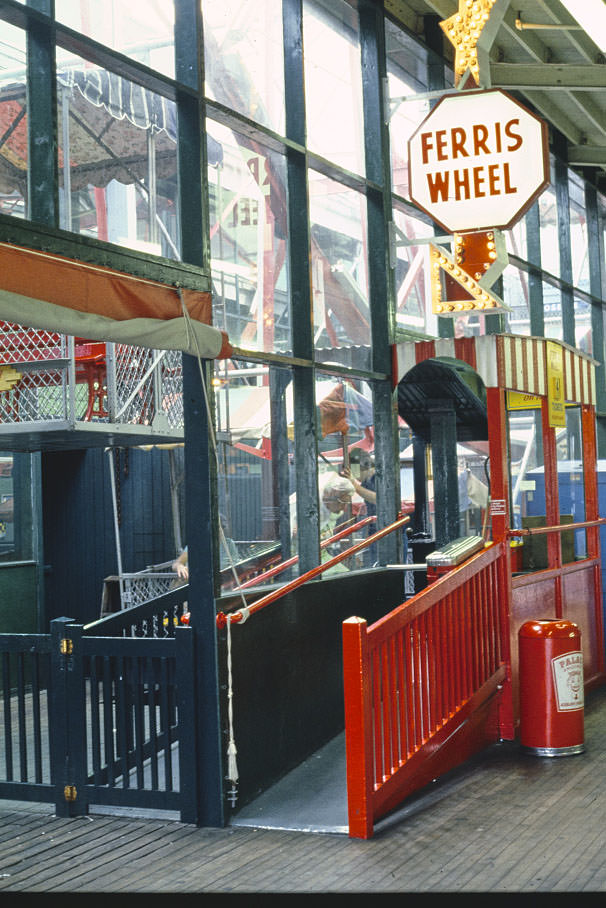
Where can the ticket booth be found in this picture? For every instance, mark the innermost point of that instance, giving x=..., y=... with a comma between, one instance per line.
x=531, y=401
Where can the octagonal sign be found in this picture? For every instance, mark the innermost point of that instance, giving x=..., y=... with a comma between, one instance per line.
x=478, y=161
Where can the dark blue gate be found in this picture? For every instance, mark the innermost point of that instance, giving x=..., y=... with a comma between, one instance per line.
x=97, y=720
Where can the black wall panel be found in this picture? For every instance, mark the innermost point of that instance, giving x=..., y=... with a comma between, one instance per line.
x=79, y=538
x=287, y=672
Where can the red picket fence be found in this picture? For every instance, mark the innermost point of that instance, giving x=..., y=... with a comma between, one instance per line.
x=423, y=685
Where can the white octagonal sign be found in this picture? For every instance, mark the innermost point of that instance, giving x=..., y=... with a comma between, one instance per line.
x=478, y=161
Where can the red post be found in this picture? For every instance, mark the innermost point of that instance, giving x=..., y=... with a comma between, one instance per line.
x=358, y=739
x=499, y=473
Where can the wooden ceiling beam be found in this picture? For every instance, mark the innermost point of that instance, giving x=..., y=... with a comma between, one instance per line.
x=549, y=76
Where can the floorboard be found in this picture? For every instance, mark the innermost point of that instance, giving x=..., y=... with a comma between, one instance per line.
x=505, y=822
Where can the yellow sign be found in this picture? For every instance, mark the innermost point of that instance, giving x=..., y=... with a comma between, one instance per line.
x=516, y=400
x=555, y=384
x=8, y=378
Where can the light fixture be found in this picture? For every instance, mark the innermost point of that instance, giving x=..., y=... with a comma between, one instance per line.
x=446, y=300
x=463, y=30
x=591, y=16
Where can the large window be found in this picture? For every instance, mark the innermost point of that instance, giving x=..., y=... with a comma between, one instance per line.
x=406, y=75
x=256, y=483
x=412, y=276
x=13, y=123
x=244, y=58
x=117, y=159
x=142, y=31
x=339, y=257
x=16, y=539
x=249, y=240
x=333, y=83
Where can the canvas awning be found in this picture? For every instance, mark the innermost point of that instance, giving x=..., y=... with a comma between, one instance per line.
x=54, y=293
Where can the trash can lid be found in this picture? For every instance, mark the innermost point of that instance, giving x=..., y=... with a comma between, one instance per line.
x=549, y=627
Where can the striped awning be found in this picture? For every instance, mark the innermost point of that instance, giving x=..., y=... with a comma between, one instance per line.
x=513, y=362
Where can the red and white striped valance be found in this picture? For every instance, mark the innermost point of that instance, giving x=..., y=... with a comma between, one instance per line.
x=514, y=362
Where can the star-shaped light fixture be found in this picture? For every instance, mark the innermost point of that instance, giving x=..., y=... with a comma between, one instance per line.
x=465, y=31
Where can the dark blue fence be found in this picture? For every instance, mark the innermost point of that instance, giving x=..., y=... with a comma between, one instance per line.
x=92, y=716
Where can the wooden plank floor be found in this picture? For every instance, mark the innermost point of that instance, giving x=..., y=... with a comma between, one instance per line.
x=506, y=822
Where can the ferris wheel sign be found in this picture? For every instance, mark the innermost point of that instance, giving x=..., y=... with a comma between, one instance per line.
x=478, y=160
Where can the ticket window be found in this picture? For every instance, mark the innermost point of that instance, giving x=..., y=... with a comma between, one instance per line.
x=531, y=500
x=571, y=484
x=526, y=482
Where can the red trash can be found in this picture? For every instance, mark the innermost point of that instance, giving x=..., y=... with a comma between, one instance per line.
x=551, y=688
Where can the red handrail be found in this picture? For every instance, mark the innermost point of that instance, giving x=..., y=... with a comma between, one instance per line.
x=559, y=528
x=290, y=561
x=236, y=617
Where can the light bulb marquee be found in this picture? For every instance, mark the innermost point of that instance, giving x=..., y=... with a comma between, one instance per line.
x=460, y=285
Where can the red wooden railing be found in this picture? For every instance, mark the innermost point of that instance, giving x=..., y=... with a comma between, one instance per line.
x=417, y=680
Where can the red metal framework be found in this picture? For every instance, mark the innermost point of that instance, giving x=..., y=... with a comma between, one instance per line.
x=424, y=685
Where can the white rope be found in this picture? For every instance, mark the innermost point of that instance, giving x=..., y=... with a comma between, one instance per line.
x=232, y=765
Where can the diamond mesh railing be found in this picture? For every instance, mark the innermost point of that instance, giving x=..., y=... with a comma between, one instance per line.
x=46, y=377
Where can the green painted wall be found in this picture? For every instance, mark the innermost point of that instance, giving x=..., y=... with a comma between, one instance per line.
x=18, y=596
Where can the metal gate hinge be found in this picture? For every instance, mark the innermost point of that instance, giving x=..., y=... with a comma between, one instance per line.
x=70, y=793
x=66, y=646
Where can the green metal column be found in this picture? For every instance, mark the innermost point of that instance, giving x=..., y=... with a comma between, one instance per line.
x=434, y=37
x=535, y=282
x=381, y=277
x=443, y=432
x=597, y=282
x=304, y=400
x=563, y=215
x=206, y=807
x=42, y=187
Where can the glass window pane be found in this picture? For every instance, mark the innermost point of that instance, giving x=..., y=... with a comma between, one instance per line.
x=341, y=315
x=516, y=296
x=121, y=145
x=582, y=326
x=13, y=122
x=142, y=31
x=578, y=232
x=249, y=241
x=571, y=485
x=527, y=483
x=552, y=307
x=346, y=470
x=406, y=69
x=602, y=227
x=254, y=417
x=244, y=58
x=550, y=249
x=16, y=540
x=333, y=83
x=515, y=239
x=413, y=286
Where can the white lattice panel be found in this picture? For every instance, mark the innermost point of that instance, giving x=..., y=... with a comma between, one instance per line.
x=50, y=377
